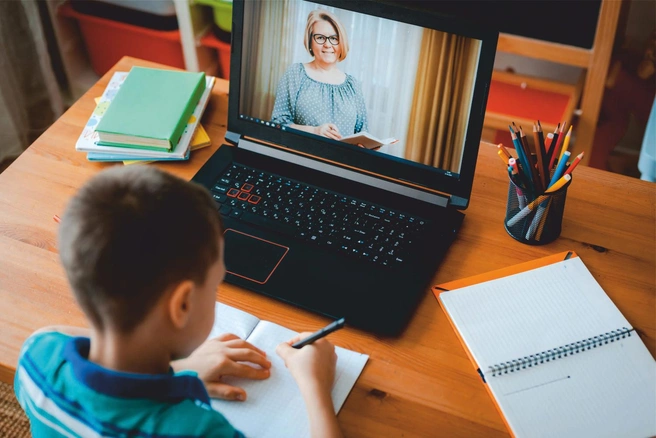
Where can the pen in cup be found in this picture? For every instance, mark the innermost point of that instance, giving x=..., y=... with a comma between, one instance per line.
x=333, y=326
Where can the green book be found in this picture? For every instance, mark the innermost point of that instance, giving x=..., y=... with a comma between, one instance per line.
x=151, y=109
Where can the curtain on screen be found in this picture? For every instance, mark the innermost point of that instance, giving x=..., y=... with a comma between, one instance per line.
x=442, y=100
x=383, y=56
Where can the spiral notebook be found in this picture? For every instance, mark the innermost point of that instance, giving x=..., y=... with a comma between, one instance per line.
x=557, y=356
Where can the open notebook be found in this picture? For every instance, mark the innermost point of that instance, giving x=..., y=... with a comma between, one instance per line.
x=556, y=354
x=274, y=406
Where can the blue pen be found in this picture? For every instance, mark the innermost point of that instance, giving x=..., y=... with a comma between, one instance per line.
x=560, y=169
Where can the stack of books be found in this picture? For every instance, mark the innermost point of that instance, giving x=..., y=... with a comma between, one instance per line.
x=148, y=115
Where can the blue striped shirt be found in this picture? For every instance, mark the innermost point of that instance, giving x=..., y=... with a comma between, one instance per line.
x=64, y=394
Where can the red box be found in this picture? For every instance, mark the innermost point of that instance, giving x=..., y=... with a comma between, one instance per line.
x=107, y=41
x=223, y=51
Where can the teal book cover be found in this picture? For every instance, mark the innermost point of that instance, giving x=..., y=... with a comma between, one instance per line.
x=151, y=109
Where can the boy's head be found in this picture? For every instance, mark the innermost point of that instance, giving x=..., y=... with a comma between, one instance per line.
x=131, y=236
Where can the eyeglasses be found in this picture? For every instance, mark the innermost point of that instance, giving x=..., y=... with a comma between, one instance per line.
x=321, y=39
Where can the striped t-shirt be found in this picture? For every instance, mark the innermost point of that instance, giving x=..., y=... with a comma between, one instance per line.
x=64, y=394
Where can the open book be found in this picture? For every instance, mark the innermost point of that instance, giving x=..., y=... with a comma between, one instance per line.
x=274, y=407
x=367, y=140
x=556, y=354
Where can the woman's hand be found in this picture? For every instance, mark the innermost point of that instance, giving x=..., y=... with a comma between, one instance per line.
x=328, y=130
x=224, y=356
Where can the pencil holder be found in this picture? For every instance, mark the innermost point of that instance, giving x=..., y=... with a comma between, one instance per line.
x=535, y=221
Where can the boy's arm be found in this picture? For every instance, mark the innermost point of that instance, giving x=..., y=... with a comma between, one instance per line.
x=313, y=368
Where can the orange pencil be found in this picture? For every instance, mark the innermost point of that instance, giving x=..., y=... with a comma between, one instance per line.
x=503, y=152
x=574, y=163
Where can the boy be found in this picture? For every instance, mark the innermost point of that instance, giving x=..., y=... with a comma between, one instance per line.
x=143, y=253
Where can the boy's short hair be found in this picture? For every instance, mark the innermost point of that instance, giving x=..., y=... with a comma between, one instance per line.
x=129, y=235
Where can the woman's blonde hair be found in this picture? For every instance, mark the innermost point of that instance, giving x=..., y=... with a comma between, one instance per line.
x=322, y=15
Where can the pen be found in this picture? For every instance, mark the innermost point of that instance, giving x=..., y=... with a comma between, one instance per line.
x=333, y=326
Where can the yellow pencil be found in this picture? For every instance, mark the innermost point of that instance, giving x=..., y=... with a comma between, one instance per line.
x=566, y=143
x=558, y=184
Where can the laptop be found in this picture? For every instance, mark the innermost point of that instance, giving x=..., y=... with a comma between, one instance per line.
x=348, y=227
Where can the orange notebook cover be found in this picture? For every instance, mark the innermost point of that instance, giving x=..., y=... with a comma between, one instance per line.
x=487, y=276
x=601, y=372
x=503, y=272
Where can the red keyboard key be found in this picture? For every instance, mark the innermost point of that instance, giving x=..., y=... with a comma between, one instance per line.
x=247, y=188
x=233, y=193
x=243, y=196
x=254, y=199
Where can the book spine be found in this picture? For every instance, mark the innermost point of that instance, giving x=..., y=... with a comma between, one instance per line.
x=534, y=360
x=188, y=111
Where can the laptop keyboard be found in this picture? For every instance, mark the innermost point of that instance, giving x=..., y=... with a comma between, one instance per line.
x=345, y=224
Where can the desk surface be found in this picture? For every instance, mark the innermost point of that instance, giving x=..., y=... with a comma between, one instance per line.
x=414, y=385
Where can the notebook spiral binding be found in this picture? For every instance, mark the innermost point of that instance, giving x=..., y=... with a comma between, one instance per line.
x=559, y=352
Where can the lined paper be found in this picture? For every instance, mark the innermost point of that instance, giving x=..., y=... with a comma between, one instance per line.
x=608, y=390
x=531, y=312
x=274, y=406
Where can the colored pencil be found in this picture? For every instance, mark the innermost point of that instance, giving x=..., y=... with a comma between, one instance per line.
x=574, y=163
x=565, y=143
x=539, y=149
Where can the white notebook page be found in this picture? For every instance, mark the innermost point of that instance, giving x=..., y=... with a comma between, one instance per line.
x=274, y=406
x=609, y=390
x=531, y=312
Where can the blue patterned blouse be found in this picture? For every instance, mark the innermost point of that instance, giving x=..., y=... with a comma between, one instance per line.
x=305, y=101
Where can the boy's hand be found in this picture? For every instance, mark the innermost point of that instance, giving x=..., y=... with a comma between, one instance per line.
x=224, y=356
x=313, y=366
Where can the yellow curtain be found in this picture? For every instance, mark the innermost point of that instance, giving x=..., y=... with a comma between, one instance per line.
x=441, y=100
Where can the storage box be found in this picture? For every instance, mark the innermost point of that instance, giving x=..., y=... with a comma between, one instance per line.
x=222, y=13
x=107, y=41
x=159, y=15
x=525, y=99
x=223, y=52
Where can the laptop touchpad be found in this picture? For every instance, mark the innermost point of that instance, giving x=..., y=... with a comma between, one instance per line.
x=251, y=257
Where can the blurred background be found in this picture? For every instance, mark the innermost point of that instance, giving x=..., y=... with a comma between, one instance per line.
x=54, y=50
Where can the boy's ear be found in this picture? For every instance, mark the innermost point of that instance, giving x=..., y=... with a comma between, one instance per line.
x=180, y=303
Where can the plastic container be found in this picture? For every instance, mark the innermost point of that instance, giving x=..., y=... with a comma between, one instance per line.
x=108, y=41
x=157, y=7
x=223, y=52
x=159, y=15
x=222, y=13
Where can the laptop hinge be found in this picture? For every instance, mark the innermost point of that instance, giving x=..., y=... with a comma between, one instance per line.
x=437, y=199
x=232, y=137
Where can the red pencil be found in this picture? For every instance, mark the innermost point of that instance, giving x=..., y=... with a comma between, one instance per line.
x=574, y=163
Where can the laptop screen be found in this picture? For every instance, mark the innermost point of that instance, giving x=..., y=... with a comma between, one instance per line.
x=373, y=87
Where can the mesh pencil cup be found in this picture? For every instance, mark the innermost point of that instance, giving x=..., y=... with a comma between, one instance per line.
x=535, y=221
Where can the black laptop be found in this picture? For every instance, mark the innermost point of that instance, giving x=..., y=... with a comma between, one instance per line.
x=351, y=228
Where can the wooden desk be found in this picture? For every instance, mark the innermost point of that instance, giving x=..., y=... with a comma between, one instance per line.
x=420, y=384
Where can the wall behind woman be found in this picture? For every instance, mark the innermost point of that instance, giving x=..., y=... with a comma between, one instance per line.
x=383, y=57
x=30, y=98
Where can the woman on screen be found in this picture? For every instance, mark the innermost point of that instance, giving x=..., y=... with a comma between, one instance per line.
x=317, y=97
